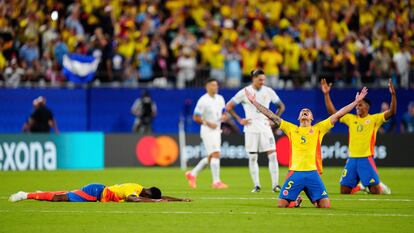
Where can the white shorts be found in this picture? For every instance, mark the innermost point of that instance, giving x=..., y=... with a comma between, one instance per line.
x=211, y=141
x=259, y=142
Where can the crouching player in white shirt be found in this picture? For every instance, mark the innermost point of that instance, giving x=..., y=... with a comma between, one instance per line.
x=209, y=112
x=258, y=134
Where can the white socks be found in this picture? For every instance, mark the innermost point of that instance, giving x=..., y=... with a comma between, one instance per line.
x=215, y=169
x=254, y=168
x=214, y=165
x=273, y=169
x=200, y=166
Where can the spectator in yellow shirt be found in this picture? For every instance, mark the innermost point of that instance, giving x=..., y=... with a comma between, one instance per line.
x=271, y=59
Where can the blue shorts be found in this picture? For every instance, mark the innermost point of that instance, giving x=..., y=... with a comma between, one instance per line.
x=308, y=181
x=89, y=193
x=360, y=169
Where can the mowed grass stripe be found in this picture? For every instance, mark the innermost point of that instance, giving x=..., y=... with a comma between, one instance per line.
x=275, y=198
x=202, y=212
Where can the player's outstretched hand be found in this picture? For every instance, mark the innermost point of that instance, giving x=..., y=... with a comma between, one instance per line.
x=325, y=87
x=391, y=87
x=361, y=95
x=249, y=95
x=186, y=200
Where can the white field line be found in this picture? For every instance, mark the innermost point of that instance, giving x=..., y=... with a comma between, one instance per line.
x=293, y=213
x=274, y=198
x=333, y=199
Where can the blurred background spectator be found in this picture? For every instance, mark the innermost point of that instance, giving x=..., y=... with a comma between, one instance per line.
x=182, y=43
x=41, y=120
x=407, y=122
x=145, y=110
x=390, y=125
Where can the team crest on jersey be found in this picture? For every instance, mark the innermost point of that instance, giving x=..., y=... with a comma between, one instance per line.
x=285, y=192
x=367, y=121
x=311, y=131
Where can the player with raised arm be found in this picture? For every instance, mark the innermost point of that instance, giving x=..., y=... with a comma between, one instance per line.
x=209, y=113
x=306, y=161
x=129, y=192
x=363, y=128
x=258, y=134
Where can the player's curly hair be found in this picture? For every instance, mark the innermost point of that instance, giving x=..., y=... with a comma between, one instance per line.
x=155, y=193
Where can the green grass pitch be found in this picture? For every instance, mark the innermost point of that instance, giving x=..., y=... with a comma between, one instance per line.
x=233, y=210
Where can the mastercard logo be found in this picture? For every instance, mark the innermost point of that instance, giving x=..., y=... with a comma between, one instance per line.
x=284, y=150
x=162, y=151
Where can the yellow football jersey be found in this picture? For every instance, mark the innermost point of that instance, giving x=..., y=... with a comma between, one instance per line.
x=120, y=192
x=362, y=133
x=305, y=145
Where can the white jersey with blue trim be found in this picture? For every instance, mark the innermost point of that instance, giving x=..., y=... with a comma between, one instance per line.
x=264, y=96
x=210, y=109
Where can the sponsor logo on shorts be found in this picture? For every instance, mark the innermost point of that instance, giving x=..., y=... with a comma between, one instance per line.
x=285, y=192
x=372, y=180
x=324, y=193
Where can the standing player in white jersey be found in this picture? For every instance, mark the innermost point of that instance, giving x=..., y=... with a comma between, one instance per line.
x=209, y=112
x=258, y=135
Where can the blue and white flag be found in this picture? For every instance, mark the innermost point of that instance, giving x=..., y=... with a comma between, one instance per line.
x=79, y=68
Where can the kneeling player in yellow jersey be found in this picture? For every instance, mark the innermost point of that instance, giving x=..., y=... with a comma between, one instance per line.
x=363, y=128
x=305, y=163
x=129, y=192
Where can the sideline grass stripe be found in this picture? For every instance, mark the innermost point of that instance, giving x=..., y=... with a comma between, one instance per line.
x=202, y=212
x=274, y=198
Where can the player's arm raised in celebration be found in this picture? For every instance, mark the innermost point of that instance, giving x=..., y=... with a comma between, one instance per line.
x=230, y=109
x=338, y=114
x=393, y=106
x=326, y=88
x=269, y=114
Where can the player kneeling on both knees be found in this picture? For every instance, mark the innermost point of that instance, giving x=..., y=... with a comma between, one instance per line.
x=306, y=160
x=363, y=127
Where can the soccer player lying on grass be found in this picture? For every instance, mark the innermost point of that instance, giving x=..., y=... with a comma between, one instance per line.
x=128, y=192
x=363, y=128
x=306, y=159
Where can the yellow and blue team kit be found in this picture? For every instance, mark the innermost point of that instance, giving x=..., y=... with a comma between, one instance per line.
x=305, y=162
x=360, y=165
x=102, y=193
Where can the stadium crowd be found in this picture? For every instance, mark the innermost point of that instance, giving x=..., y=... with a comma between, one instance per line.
x=181, y=43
